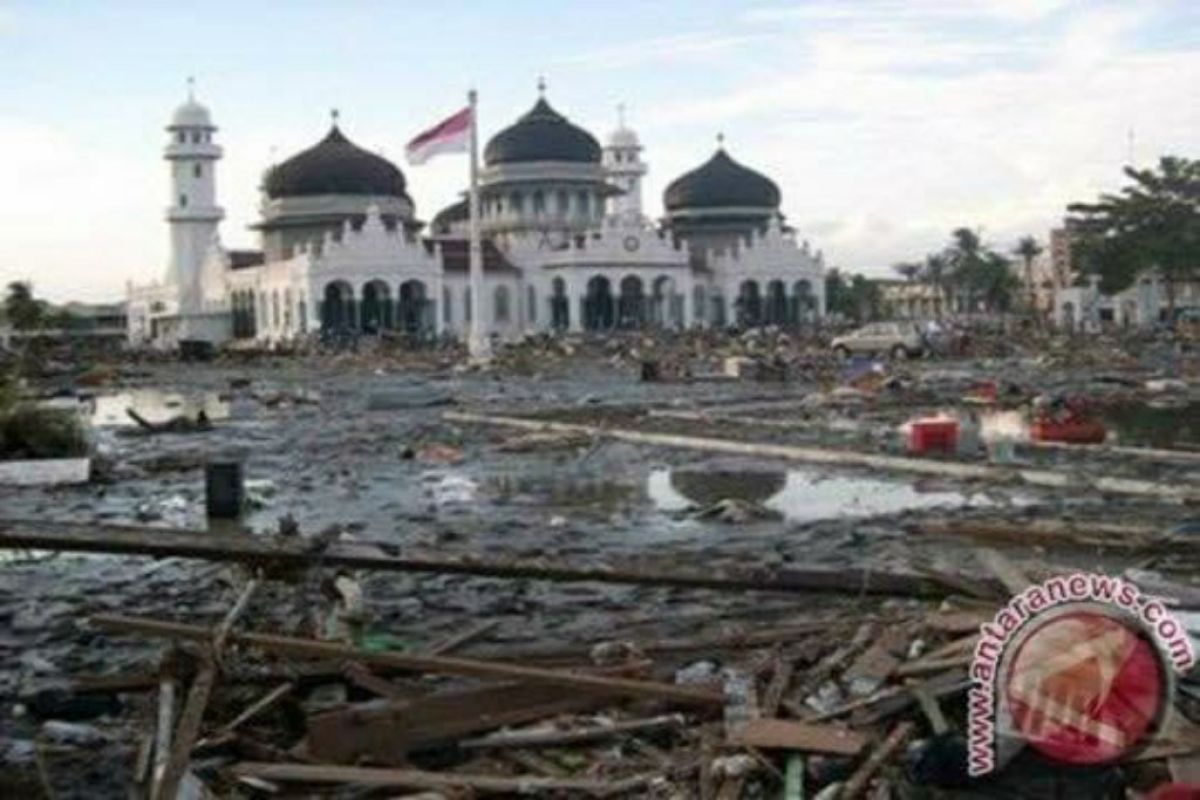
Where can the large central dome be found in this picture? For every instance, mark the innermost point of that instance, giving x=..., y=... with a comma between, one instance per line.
x=721, y=182
x=335, y=165
x=542, y=135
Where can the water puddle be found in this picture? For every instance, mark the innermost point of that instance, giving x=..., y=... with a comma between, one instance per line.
x=156, y=406
x=800, y=495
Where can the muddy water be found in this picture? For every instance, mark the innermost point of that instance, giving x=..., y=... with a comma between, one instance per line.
x=1143, y=425
x=799, y=495
x=155, y=406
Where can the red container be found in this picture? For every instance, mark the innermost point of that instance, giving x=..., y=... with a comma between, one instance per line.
x=1074, y=431
x=933, y=436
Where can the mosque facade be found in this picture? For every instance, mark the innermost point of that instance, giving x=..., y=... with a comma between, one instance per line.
x=567, y=245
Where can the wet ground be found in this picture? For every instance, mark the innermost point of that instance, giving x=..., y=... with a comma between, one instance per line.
x=369, y=452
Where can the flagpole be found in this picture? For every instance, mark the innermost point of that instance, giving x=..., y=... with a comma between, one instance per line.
x=477, y=343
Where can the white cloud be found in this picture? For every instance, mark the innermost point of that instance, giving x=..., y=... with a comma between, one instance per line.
x=887, y=140
x=679, y=47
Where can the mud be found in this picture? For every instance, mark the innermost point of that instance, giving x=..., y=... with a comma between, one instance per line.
x=320, y=447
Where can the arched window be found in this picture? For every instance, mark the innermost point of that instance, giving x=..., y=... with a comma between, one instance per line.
x=198, y=170
x=287, y=309
x=531, y=304
x=275, y=308
x=467, y=304
x=181, y=137
x=516, y=203
x=183, y=201
x=585, y=207
x=539, y=202
x=302, y=314
x=500, y=304
x=195, y=137
x=563, y=202
x=447, y=315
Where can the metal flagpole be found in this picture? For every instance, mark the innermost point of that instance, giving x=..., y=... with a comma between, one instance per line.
x=477, y=342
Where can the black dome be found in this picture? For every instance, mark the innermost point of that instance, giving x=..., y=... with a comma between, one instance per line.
x=448, y=216
x=542, y=135
x=721, y=182
x=335, y=165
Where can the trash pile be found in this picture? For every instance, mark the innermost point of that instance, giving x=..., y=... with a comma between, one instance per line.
x=864, y=698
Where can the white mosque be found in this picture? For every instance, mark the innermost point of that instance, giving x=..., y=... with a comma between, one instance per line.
x=566, y=244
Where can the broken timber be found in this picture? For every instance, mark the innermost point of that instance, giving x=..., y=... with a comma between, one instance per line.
x=420, y=779
x=309, y=648
x=947, y=469
x=273, y=553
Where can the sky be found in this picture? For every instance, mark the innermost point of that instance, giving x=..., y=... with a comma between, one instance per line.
x=886, y=123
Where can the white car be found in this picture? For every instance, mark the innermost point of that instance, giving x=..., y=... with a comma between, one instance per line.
x=896, y=339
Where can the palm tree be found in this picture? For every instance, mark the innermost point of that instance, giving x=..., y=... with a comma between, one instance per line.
x=935, y=273
x=908, y=269
x=1028, y=249
x=965, y=259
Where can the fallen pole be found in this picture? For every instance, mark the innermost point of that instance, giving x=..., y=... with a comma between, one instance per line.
x=445, y=665
x=849, y=458
x=272, y=553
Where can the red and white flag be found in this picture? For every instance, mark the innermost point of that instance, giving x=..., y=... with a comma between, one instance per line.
x=451, y=135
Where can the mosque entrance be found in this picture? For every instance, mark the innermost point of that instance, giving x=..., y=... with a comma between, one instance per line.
x=560, y=306
x=376, y=307
x=631, y=307
x=598, y=305
x=749, y=306
x=411, y=307
x=337, y=308
x=777, y=304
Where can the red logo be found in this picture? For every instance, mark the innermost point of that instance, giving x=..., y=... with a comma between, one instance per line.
x=1085, y=686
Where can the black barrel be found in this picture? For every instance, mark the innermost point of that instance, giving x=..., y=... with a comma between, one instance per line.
x=224, y=489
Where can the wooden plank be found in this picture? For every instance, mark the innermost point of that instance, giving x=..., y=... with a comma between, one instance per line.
x=1009, y=574
x=779, y=734
x=267, y=701
x=570, y=736
x=385, y=732
x=272, y=553
x=188, y=731
x=420, y=779
x=308, y=648
x=861, y=779
x=947, y=469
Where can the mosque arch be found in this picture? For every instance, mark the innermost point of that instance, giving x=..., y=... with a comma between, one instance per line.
x=699, y=304
x=501, y=311
x=337, y=306
x=631, y=305
x=598, y=305
x=776, y=311
x=411, y=306
x=804, y=302
x=531, y=304
x=560, y=305
x=376, y=310
x=748, y=305
x=665, y=305
x=447, y=306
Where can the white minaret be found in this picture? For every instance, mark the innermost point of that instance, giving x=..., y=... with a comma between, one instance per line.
x=623, y=162
x=193, y=214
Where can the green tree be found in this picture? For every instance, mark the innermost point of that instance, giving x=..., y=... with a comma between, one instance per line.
x=854, y=297
x=24, y=312
x=978, y=275
x=1027, y=250
x=935, y=272
x=1151, y=224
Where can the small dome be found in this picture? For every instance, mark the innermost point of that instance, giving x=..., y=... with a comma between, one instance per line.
x=623, y=137
x=335, y=165
x=191, y=115
x=542, y=135
x=449, y=216
x=721, y=182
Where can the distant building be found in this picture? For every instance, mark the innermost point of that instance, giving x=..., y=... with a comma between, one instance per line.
x=1078, y=302
x=566, y=244
x=910, y=299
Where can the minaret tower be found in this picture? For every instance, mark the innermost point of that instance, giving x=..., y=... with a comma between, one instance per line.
x=623, y=162
x=193, y=214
